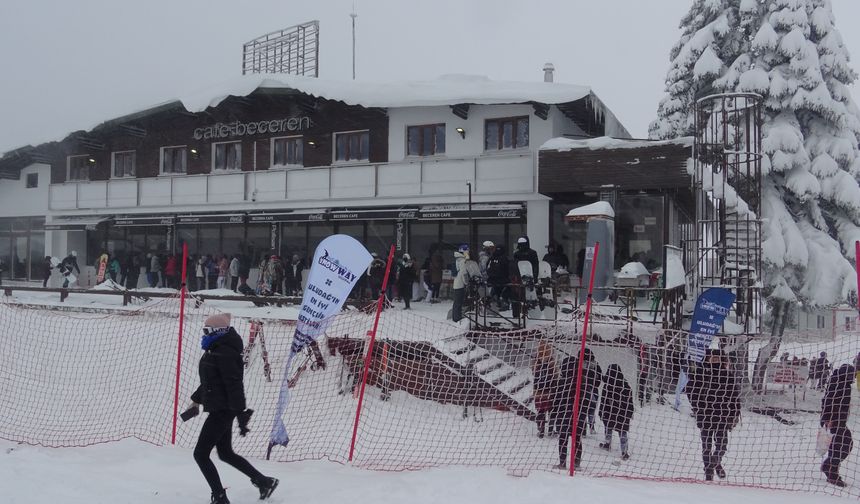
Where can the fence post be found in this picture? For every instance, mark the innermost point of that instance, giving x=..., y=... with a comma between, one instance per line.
x=574, y=438
x=369, y=355
x=182, y=292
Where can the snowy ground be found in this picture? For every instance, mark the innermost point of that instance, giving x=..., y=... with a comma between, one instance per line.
x=132, y=472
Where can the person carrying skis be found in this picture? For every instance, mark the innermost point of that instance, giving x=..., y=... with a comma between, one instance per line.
x=222, y=394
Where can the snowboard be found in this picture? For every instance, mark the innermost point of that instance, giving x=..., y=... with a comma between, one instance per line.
x=528, y=279
x=103, y=261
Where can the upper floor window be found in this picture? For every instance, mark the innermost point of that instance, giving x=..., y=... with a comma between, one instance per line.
x=173, y=160
x=352, y=146
x=287, y=151
x=227, y=156
x=32, y=180
x=123, y=164
x=79, y=167
x=426, y=140
x=507, y=133
x=820, y=323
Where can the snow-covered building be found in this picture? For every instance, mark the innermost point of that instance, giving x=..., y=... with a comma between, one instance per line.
x=277, y=161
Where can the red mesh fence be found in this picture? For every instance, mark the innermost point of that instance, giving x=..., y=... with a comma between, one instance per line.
x=439, y=395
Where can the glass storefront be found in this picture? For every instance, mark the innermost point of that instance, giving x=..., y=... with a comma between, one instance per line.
x=22, y=248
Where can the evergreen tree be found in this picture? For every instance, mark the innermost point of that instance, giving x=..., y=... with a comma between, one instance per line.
x=790, y=52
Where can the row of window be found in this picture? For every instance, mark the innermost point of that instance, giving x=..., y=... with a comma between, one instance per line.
x=354, y=146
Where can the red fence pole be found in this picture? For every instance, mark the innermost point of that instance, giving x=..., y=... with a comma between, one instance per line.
x=573, y=436
x=182, y=290
x=372, y=334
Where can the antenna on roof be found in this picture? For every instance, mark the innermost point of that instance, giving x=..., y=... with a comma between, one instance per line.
x=294, y=50
x=353, y=15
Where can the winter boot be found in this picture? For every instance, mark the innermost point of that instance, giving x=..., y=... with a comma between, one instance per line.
x=709, y=475
x=605, y=446
x=220, y=498
x=625, y=456
x=266, y=486
x=721, y=473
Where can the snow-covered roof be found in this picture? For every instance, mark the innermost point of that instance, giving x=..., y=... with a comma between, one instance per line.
x=596, y=208
x=446, y=90
x=562, y=144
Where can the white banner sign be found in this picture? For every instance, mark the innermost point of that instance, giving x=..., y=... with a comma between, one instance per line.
x=338, y=262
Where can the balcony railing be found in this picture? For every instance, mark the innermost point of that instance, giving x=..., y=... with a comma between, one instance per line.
x=491, y=174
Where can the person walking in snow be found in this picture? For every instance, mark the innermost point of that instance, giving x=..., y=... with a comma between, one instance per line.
x=835, y=407
x=616, y=408
x=564, y=403
x=405, y=279
x=714, y=395
x=222, y=394
x=545, y=381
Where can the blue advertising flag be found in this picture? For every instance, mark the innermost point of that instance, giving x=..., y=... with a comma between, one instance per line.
x=711, y=309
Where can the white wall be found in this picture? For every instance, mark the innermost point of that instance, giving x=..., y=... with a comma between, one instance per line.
x=18, y=201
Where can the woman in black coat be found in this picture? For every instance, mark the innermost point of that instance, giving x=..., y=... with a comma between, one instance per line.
x=616, y=408
x=565, y=400
x=714, y=395
x=835, y=406
x=222, y=394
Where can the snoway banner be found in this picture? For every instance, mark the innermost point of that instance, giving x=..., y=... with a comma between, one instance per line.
x=337, y=264
x=711, y=309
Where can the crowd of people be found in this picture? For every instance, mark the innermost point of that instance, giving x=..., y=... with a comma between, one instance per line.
x=714, y=393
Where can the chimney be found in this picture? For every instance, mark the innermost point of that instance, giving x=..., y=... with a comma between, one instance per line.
x=548, y=69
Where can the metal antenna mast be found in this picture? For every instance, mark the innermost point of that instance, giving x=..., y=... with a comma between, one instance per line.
x=353, y=15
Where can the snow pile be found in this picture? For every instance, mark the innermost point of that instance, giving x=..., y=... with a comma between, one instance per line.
x=563, y=144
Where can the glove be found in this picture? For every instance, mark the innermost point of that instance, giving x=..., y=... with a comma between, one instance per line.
x=244, y=417
x=190, y=413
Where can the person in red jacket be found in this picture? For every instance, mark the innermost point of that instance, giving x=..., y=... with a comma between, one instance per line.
x=171, y=271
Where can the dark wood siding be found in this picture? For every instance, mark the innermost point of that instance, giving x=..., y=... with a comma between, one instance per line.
x=662, y=166
x=170, y=126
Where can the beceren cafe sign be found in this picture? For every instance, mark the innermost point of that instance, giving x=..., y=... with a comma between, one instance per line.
x=237, y=129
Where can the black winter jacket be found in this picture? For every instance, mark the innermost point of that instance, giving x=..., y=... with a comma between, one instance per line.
x=221, y=370
x=714, y=395
x=566, y=396
x=616, y=405
x=836, y=403
x=525, y=253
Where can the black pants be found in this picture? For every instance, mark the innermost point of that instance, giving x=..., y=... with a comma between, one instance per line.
x=715, y=442
x=457, y=308
x=564, y=440
x=840, y=446
x=405, y=290
x=234, y=282
x=217, y=433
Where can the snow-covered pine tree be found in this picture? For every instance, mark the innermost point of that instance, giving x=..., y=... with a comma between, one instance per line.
x=790, y=52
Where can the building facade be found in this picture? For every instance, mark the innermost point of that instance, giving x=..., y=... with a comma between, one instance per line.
x=280, y=163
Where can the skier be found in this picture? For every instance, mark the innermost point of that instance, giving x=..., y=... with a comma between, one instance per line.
x=616, y=408
x=499, y=278
x=294, y=275
x=405, y=279
x=524, y=252
x=556, y=257
x=67, y=265
x=375, y=275
x=155, y=268
x=714, y=396
x=835, y=406
x=437, y=264
x=222, y=394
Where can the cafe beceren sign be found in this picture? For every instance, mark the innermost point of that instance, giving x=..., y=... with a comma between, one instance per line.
x=238, y=129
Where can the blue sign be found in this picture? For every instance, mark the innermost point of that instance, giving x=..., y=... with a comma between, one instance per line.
x=711, y=309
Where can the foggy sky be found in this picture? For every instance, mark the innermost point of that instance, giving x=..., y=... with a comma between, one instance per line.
x=69, y=65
